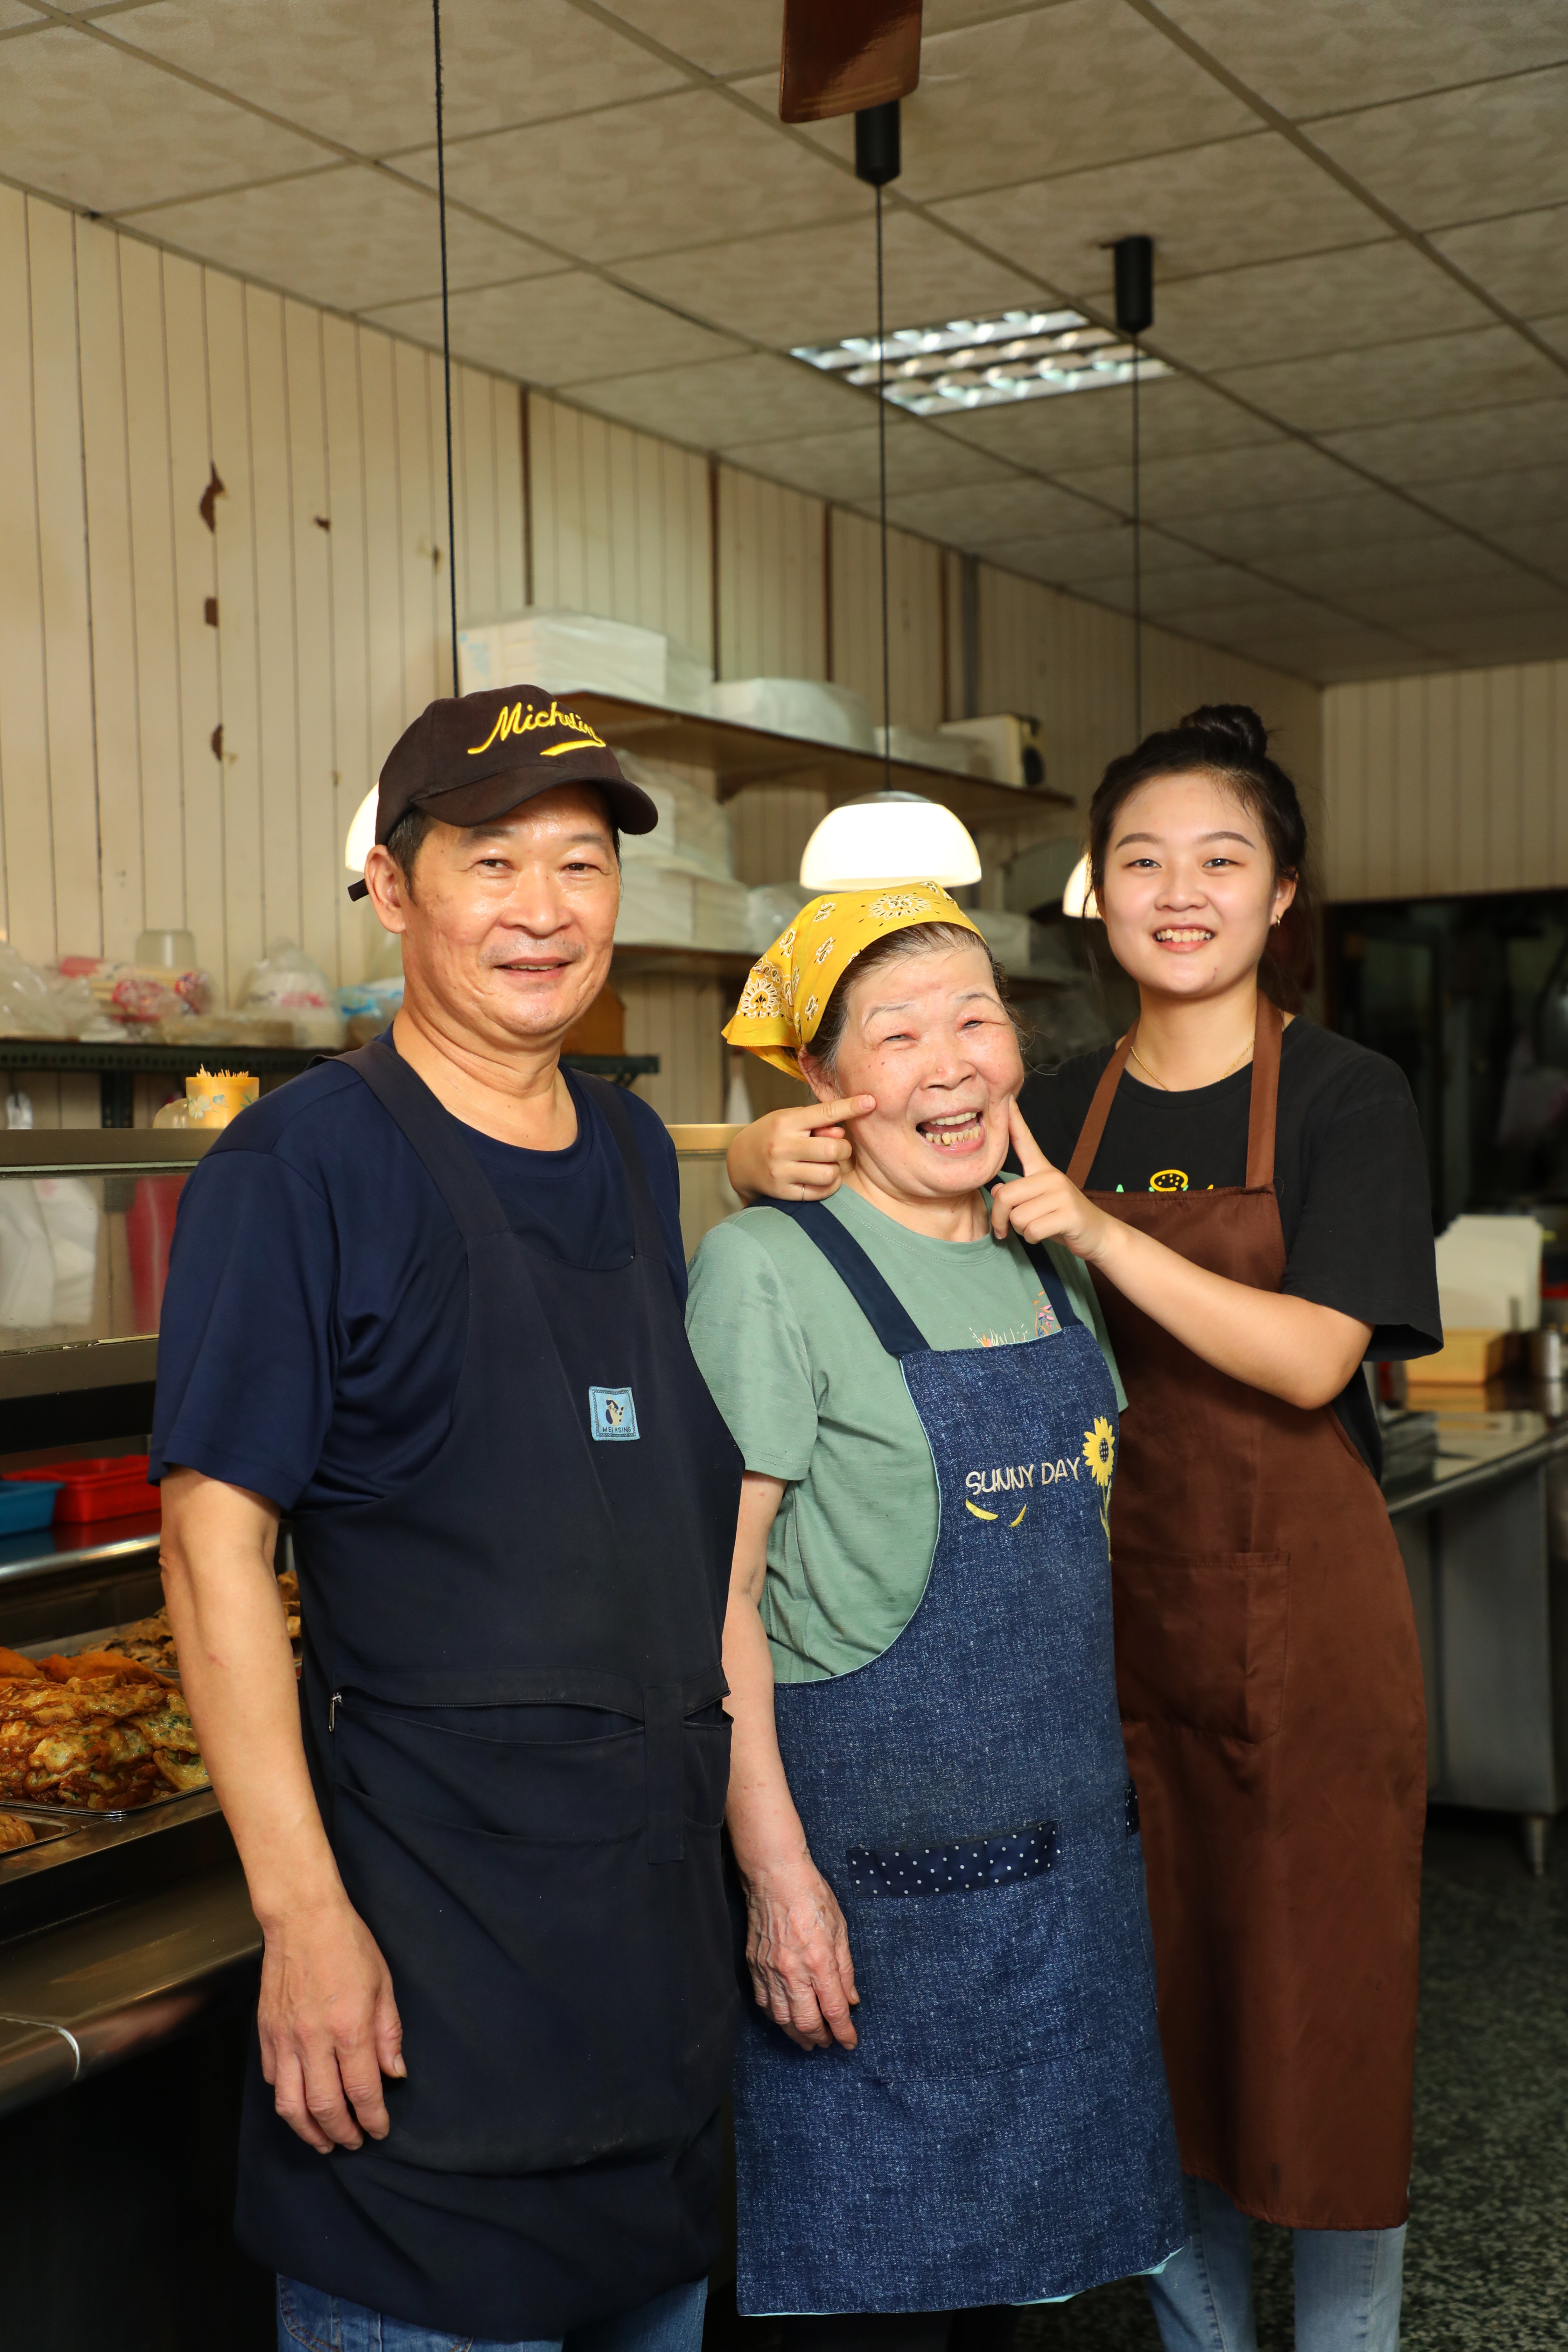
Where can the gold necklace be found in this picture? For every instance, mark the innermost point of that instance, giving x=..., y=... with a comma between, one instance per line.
x=1160, y=1082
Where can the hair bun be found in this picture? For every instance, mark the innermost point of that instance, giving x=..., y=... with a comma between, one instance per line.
x=1233, y=723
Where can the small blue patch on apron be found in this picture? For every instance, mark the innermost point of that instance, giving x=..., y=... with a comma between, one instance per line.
x=1001, y=2133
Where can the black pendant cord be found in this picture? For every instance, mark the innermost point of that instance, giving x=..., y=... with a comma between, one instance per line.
x=882, y=507
x=1137, y=564
x=446, y=348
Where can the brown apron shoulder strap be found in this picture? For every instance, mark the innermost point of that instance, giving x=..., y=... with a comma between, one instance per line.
x=1098, y=1112
x=1261, y=1118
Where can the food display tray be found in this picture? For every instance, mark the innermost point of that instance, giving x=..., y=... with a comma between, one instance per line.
x=78, y=1813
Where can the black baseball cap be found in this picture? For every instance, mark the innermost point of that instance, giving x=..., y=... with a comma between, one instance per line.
x=471, y=757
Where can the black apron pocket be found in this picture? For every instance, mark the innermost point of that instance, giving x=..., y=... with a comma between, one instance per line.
x=1201, y=1639
x=564, y=2000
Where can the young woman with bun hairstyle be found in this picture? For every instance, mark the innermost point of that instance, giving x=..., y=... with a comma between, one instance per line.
x=1249, y=1194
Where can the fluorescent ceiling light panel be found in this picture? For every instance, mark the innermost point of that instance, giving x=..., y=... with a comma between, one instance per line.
x=979, y=363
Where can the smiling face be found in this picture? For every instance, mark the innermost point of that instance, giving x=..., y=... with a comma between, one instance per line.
x=507, y=926
x=1189, y=890
x=927, y=1033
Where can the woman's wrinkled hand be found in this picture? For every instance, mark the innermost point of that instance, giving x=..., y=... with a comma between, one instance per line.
x=797, y=1949
x=1044, y=1205
x=797, y=1154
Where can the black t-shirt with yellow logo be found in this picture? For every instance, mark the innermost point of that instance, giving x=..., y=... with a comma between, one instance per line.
x=1350, y=1168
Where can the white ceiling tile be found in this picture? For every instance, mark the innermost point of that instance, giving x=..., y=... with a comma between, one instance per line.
x=720, y=36
x=549, y=331
x=1322, y=303
x=1415, y=606
x=1553, y=330
x=1247, y=199
x=1430, y=375
x=1543, y=544
x=81, y=119
x=1485, y=639
x=726, y=403
x=15, y=12
x=1535, y=495
x=843, y=466
x=1356, y=518
x=1495, y=147
x=1174, y=591
x=1521, y=258
x=1318, y=55
x=1105, y=552
x=812, y=284
x=1175, y=416
x=1036, y=91
x=664, y=172
x=1534, y=432
x=364, y=75
x=1357, y=566
x=1017, y=509
x=348, y=236
x=1179, y=487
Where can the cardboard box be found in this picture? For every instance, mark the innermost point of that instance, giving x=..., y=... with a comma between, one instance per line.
x=1465, y=1360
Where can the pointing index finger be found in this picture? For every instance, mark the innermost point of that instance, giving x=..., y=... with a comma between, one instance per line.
x=1031, y=1158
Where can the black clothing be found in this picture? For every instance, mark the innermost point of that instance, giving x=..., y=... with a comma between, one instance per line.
x=1350, y=1170
x=510, y=1665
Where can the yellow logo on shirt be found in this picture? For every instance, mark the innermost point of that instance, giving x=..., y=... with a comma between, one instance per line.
x=1168, y=1180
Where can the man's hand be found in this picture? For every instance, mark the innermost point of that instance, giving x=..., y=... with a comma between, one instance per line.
x=330, y=2027
x=797, y=1949
x=797, y=1154
x=1042, y=1206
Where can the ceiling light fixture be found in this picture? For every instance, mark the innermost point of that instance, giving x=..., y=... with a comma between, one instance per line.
x=981, y=363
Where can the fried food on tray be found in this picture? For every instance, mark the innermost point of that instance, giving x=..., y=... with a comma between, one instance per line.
x=12, y=1662
x=14, y=1832
x=108, y=1744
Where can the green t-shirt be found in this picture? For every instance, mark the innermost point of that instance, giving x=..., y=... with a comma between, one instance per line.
x=812, y=1397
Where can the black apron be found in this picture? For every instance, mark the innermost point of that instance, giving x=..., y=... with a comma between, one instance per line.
x=544, y=1877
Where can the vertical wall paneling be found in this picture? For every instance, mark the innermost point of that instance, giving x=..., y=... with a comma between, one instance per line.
x=1446, y=784
x=478, y=592
x=196, y=649
x=238, y=673
x=619, y=524
x=422, y=529
x=320, y=842
x=107, y=484
x=771, y=585
x=277, y=734
x=159, y=815
x=385, y=583
x=66, y=650
x=914, y=624
x=353, y=767
x=26, y=834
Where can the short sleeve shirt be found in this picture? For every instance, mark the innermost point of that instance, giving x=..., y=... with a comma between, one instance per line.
x=1350, y=1169
x=308, y=1349
x=813, y=1398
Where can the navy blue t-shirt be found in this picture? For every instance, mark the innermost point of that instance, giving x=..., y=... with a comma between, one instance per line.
x=308, y=1349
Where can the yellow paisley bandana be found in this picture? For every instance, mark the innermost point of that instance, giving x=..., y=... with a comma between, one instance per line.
x=785, y=996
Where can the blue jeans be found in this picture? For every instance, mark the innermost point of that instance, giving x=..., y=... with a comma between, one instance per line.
x=309, y=2321
x=1348, y=2285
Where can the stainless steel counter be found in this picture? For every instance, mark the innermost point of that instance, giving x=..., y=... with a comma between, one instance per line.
x=1484, y=1536
x=88, y=1993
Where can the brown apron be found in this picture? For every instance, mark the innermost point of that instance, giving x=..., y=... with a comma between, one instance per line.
x=1271, y=1691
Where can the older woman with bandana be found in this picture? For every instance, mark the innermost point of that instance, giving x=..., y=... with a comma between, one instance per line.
x=950, y=2101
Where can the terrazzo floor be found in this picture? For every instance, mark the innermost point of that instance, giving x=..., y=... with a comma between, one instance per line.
x=1487, y=2258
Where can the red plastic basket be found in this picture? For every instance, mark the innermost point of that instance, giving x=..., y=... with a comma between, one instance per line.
x=111, y=1486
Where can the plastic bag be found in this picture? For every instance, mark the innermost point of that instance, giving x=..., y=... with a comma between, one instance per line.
x=287, y=985
x=31, y=1005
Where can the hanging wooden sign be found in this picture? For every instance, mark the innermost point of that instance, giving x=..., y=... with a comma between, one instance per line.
x=842, y=55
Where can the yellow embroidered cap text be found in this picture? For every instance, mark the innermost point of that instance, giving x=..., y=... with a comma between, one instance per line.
x=786, y=993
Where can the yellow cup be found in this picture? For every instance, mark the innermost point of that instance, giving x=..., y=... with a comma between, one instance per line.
x=213, y=1097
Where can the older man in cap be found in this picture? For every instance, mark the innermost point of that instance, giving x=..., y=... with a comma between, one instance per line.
x=425, y=1301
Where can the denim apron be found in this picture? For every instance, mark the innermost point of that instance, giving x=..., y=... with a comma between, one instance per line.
x=510, y=1676
x=1001, y=2133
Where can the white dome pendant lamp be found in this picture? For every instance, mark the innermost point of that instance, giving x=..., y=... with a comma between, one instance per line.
x=888, y=837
